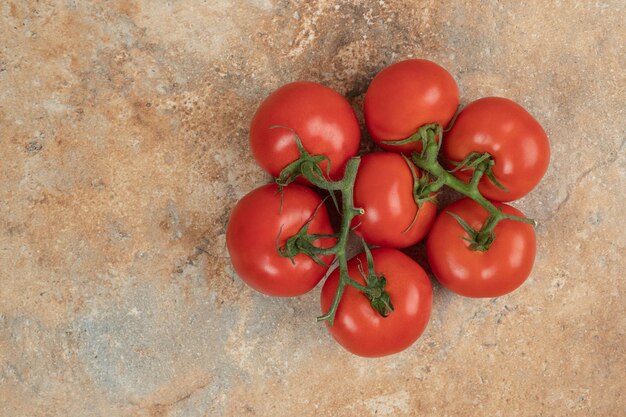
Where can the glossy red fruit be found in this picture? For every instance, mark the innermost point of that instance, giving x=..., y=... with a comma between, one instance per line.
x=321, y=117
x=363, y=331
x=384, y=189
x=499, y=270
x=251, y=237
x=511, y=135
x=405, y=96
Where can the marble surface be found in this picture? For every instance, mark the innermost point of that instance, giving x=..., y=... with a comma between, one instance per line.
x=123, y=133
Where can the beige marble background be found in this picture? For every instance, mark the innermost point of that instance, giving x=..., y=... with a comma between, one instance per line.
x=123, y=147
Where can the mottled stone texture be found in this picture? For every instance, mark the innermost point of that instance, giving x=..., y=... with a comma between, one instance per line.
x=123, y=133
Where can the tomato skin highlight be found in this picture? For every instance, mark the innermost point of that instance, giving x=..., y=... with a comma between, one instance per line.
x=517, y=142
x=384, y=189
x=321, y=117
x=359, y=328
x=254, y=225
x=499, y=270
x=405, y=96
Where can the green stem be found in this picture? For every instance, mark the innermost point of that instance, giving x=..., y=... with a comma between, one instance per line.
x=311, y=173
x=363, y=288
x=302, y=242
x=428, y=162
x=341, y=286
x=309, y=247
x=346, y=186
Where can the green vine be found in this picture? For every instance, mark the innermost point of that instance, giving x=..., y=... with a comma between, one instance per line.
x=431, y=138
x=302, y=242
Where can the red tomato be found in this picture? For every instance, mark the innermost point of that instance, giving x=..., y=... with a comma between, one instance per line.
x=499, y=270
x=384, y=189
x=321, y=117
x=362, y=330
x=515, y=140
x=405, y=96
x=254, y=225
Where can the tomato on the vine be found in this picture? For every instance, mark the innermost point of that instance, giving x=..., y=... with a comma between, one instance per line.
x=363, y=331
x=384, y=189
x=322, y=118
x=406, y=96
x=259, y=225
x=497, y=271
x=516, y=141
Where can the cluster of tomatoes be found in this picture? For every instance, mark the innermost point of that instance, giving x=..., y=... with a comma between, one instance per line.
x=280, y=238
